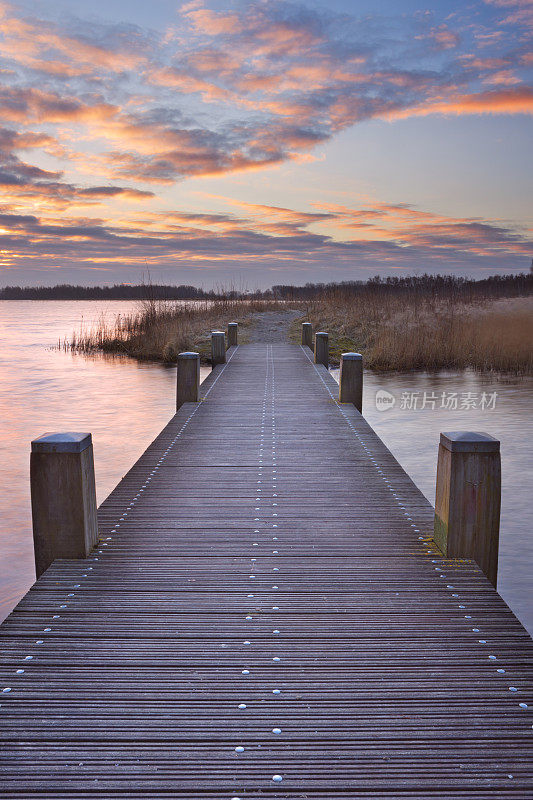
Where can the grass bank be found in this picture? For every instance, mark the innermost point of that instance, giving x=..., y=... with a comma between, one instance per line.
x=159, y=330
x=416, y=332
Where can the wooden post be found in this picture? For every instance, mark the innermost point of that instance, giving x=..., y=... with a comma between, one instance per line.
x=218, y=348
x=187, y=378
x=468, y=495
x=307, y=335
x=233, y=334
x=63, y=497
x=321, y=348
x=351, y=380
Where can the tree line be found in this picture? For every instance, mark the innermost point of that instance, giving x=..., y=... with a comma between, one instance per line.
x=442, y=286
x=449, y=286
x=120, y=291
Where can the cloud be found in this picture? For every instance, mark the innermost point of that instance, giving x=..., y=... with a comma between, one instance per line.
x=22, y=180
x=33, y=105
x=264, y=238
x=444, y=37
x=245, y=89
x=64, y=52
x=103, y=192
x=100, y=115
x=512, y=101
x=517, y=12
x=187, y=83
x=211, y=22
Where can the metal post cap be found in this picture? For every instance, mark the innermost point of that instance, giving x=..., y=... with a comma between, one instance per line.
x=70, y=442
x=469, y=442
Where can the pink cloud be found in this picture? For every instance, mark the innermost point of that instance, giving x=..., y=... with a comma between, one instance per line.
x=267, y=238
x=187, y=83
x=131, y=106
x=443, y=37
x=211, y=22
x=210, y=59
x=512, y=101
x=485, y=63
x=31, y=44
x=504, y=77
x=27, y=105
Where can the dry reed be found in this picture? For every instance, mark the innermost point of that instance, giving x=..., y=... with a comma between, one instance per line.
x=428, y=333
x=160, y=329
x=407, y=330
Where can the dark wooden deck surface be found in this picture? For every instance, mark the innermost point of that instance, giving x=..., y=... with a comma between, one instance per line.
x=266, y=601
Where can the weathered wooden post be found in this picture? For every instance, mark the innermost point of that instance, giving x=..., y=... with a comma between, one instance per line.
x=63, y=497
x=187, y=378
x=307, y=335
x=351, y=380
x=233, y=334
x=322, y=348
x=218, y=348
x=468, y=495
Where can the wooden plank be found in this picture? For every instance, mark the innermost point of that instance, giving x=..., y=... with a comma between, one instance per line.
x=266, y=551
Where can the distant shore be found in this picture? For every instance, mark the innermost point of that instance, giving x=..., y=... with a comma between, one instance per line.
x=426, y=323
x=119, y=291
x=469, y=289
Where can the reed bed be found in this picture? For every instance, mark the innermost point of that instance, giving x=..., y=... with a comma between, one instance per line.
x=428, y=333
x=158, y=330
x=403, y=328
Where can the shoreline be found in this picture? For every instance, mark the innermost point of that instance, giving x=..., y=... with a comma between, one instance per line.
x=393, y=334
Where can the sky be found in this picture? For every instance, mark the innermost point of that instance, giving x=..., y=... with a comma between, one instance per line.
x=256, y=143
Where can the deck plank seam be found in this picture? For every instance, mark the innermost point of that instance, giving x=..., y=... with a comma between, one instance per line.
x=429, y=542
x=94, y=555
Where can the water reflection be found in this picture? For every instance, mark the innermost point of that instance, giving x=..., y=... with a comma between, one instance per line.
x=412, y=434
x=123, y=403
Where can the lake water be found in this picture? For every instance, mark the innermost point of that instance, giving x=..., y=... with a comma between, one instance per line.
x=411, y=429
x=125, y=404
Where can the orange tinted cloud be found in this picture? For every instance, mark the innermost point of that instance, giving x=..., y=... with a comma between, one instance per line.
x=513, y=101
x=517, y=12
x=275, y=237
x=31, y=44
x=505, y=77
x=284, y=79
x=30, y=105
x=224, y=91
x=444, y=37
x=210, y=59
x=213, y=23
x=187, y=83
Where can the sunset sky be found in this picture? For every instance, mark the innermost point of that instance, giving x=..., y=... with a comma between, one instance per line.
x=266, y=142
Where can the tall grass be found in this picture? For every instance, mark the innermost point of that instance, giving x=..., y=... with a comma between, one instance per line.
x=158, y=330
x=416, y=332
x=411, y=326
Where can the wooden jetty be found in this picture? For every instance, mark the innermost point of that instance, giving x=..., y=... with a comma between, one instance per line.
x=265, y=615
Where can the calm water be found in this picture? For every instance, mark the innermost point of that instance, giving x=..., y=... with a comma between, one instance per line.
x=125, y=404
x=412, y=434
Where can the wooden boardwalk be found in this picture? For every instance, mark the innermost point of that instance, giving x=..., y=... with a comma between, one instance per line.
x=266, y=617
